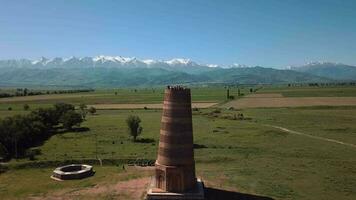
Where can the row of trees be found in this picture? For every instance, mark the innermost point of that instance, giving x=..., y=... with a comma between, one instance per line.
x=322, y=84
x=27, y=92
x=20, y=132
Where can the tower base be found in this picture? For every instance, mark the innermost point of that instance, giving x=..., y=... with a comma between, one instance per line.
x=157, y=194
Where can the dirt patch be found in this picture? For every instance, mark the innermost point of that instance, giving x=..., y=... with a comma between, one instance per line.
x=255, y=102
x=131, y=189
x=134, y=189
x=141, y=106
x=266, y=95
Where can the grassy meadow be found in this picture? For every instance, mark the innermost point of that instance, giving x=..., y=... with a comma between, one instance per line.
x=244, y=155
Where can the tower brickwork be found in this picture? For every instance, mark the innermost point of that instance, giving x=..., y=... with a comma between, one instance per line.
x=175, y=169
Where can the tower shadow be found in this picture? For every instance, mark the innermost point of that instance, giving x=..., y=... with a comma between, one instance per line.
x=218, y=194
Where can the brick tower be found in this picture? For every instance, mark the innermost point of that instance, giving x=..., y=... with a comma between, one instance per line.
x=175, y=166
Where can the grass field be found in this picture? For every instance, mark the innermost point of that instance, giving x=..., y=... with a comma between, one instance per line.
x=330, y=91
x=247, y=156
x=114, y=96
x=272, y=100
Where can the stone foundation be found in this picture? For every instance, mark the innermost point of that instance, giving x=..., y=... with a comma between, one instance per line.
x=197, y=193
x=74, y=171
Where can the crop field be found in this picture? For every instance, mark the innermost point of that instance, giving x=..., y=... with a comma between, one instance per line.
x=304, y=91
x=304, y=152
x=274, y=100
x=115, y=96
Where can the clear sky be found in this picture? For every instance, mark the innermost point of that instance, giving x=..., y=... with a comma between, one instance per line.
x=271, y=33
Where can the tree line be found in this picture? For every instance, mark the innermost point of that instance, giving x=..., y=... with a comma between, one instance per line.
x=20, y=132
x=27, y=92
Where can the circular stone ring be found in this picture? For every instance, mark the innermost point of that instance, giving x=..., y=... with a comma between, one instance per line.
x=74, y=171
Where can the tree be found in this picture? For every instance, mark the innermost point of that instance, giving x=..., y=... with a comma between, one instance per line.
x=83, y=110
x=62, y=108
x=133, y=123
x=26, y=107
x=3, y=152
x=92, y=110
x=48, y=116
x=70, y=119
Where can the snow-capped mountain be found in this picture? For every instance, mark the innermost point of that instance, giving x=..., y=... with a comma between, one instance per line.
x=100, y=61
x=239, y=65
x=118, y=71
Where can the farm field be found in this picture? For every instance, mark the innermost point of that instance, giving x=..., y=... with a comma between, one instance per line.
x=274, y=100
x=248, y=156
x=304, y=91
x=116, y=96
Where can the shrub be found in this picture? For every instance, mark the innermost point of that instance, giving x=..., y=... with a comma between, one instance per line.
x=83, y=110
x=92, y=110
x=26, y=107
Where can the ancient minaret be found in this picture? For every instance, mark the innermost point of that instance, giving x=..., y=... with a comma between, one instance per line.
x=175, y=169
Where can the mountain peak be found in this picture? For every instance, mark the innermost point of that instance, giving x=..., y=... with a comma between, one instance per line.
x=176, y=61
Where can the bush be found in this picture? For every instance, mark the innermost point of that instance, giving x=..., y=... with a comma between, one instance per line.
x=92, y=110
x=83, y=110
x=217, y=111
x=26, y=107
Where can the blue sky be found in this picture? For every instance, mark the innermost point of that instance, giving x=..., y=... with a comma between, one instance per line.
x=268, y=33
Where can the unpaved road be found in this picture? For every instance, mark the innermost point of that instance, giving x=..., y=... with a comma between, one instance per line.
x=148, y=105
x=311, y=136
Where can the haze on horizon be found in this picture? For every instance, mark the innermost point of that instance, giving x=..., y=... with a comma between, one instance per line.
x=266, y=33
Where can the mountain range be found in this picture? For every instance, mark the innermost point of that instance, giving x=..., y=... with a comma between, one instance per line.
x=336, y=71
x=117, y=71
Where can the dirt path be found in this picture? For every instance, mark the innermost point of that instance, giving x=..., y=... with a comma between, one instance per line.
x=148, y=105
x=265, y=95
x=311, y=136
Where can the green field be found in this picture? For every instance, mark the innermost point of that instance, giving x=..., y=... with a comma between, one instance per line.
x=246, y=156
x=304, y=91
